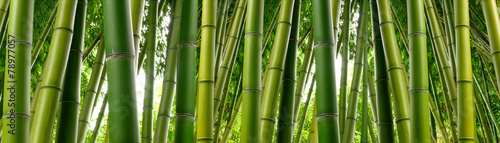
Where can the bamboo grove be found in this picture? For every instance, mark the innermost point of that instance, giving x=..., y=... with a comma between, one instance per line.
x=217, y=71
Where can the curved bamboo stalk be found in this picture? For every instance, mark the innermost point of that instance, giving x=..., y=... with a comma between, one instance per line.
x=16, y=92
x=206, y=72
x=148, y=109
x=465, y=118
x=186, y=89
x=395, y=70
x=231, y=49
x=327, y=113
x=275, y=72
x=419, y=88
x=67, y=130
x=345, y=60
x=304, y=112
x=43, y=36
x=350, y=120
x=51, y=88
x=303, y=77
x=95, y=132
x=90, y=95
x=286, y=110
x=251, y=81
x=120, y=59
x=385, y=119
x=169, y=79
x=488, y=106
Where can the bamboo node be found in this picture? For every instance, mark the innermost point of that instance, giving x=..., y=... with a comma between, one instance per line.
x=3, y=10
x=464, y=81
x=324, y=43
x=64, y=28
x=170, y=81
x=419, y=90
x=190, y=116
x=393, y=68
x=385, y=123
x=385, y=22
x=165, y=115
x=85, y=121
x=285, y=123
x=187, y=43
x=253, y=33
x=22, y=115
x=465, y=139
x=69, y=101
x=148, y=107
x=458, y=26
x=284, y=22
x=51, y=86
x=327, y=115
x=287, y=79
x=82, y=2
x=204, y=139
x=208, y=25
x=278, y=68
x=252, y=90
x=268, y=119
x=23, y=43
x=146, y=138
x=91, y=90
x=402, y=119
x=417, y=33
x=206, y=81
x=78, y=50
x=119, y=55
x=351, y=118
x=137, y=35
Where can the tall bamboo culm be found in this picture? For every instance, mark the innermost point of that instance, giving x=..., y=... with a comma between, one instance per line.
x=304, y=111
x=493, y=25
x=251, y=85
x=120, y=61
x=395, y=70
x=55, y=67
x=286, y=114
x=43, y=36
x=89, y=99
x=16, y=101
x=351, y=114
x=345, y=60
x=67, y=130
x=275, y=71
x=324, y=48
x=419, y=88
x=303, y=76
x=465, y=105
x=148, y=109
x=137, y=8
x=385, y=119
x=169, y=78
x=185, y=101
x=206, y=72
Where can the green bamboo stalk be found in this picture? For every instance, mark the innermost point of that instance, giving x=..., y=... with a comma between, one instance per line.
x=43, y=36
x=303, y=75
x=304, y=112
x=137, y=8
x=148, y=109
x=92, y=45
x=441, y=54
x=121, y=72
x=67, y=130
x=480, y=109
x=206, y=72
x=313, y=132
x=385, y=119
x=224, y=41
x=3, y=31
x=34, y=100
x=221, y=26
x=95, y=132
x=275, y=71
x=231, y=48
x=345, y=60
x=169, y=79
x=185, y=110
x=327, y=113
x=251, y=93
x=370, y=130
x=419, y=88
x=488, y=106
x=233, y=115
x=90, y=95
x=350, y=120
x=51, y=87
x=17, y=72
x=4, y=18
x=364, y=109
x=465, y=118
x=101, y=83
x=286, y=110
x=449, y=24
x=436, y=114
x=492, y=20
x=372, y=96
x=271, y=27
x=395, y=71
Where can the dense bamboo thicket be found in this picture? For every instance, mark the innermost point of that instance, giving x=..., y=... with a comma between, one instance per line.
x=315, y=71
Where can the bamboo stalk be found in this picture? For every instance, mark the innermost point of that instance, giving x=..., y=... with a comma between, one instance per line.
x=345, y=60
x=492, y=21
x=67, y=130
x=304, y=112
x=51, y=86
x=95, y=132
x=169, y=79
x=43, y=36
x=303, y=75
x=16, y=95
x=92, y=45
x=120, y=59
